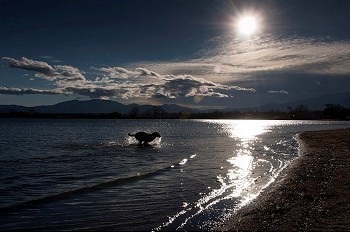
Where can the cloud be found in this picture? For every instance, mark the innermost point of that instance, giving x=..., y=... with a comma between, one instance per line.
x=51, y=59
x=227, y=66
x=146, y=72
x=119, y=82
x=44, y=70
x=98, y=92
x=122, y=73
x=278, y=91
x=47, y=57
x=115, y=72
x=229, y=58
x=167, y=86
x=20, y=91
x=301, y=55
x=187, y=86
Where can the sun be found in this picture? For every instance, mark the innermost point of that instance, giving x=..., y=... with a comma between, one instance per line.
x=247, y=25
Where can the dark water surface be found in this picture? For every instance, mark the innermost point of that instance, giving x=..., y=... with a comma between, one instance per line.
x=89, y=175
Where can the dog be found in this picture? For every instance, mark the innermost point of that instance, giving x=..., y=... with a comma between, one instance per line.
x=145, y=137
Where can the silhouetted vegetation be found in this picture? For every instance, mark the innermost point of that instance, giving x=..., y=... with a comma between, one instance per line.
x=301, y=112
x=134, y=112
x=336, y=112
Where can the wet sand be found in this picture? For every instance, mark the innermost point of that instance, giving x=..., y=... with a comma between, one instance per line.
x=313, y=193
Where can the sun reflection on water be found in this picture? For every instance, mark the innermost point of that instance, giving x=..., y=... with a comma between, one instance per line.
x=245, y=130
x=249, y=169
x=240, y=174
x=241, y=179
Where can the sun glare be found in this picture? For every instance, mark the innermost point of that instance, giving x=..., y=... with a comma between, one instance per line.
x=247, y=25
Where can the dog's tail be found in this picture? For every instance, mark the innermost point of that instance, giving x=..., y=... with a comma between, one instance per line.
x=130, y=134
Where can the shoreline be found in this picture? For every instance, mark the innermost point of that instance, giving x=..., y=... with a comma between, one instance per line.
x=313, y=193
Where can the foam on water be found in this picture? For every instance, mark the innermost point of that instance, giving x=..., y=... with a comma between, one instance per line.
x=129, y=140
x=182, y=162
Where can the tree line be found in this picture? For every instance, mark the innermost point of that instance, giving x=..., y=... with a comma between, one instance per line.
x=300, y=112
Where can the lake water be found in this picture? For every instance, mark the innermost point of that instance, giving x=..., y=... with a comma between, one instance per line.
x=89, y=175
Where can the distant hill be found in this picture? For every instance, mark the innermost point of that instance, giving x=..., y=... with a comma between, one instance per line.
x=318, y=103
x=12, y=108
x=97, y=106
x=94, y=106
x=84, y=107
x=315, y=103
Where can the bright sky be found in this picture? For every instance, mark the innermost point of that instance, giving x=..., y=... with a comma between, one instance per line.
x=205, y=53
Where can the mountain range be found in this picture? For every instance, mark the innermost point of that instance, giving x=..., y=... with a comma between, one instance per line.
x=97, y=106
x=94, y=106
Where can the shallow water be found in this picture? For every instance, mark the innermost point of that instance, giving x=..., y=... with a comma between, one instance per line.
x=89, y=175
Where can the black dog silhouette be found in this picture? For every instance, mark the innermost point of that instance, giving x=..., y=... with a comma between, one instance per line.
x=145, y=137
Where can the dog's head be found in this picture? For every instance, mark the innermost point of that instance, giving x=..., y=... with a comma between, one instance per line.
x=156, y=134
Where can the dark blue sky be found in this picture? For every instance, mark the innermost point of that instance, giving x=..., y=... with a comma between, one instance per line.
x=185, y=52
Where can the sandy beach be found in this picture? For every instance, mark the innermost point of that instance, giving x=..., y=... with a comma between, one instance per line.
x=313, y=193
